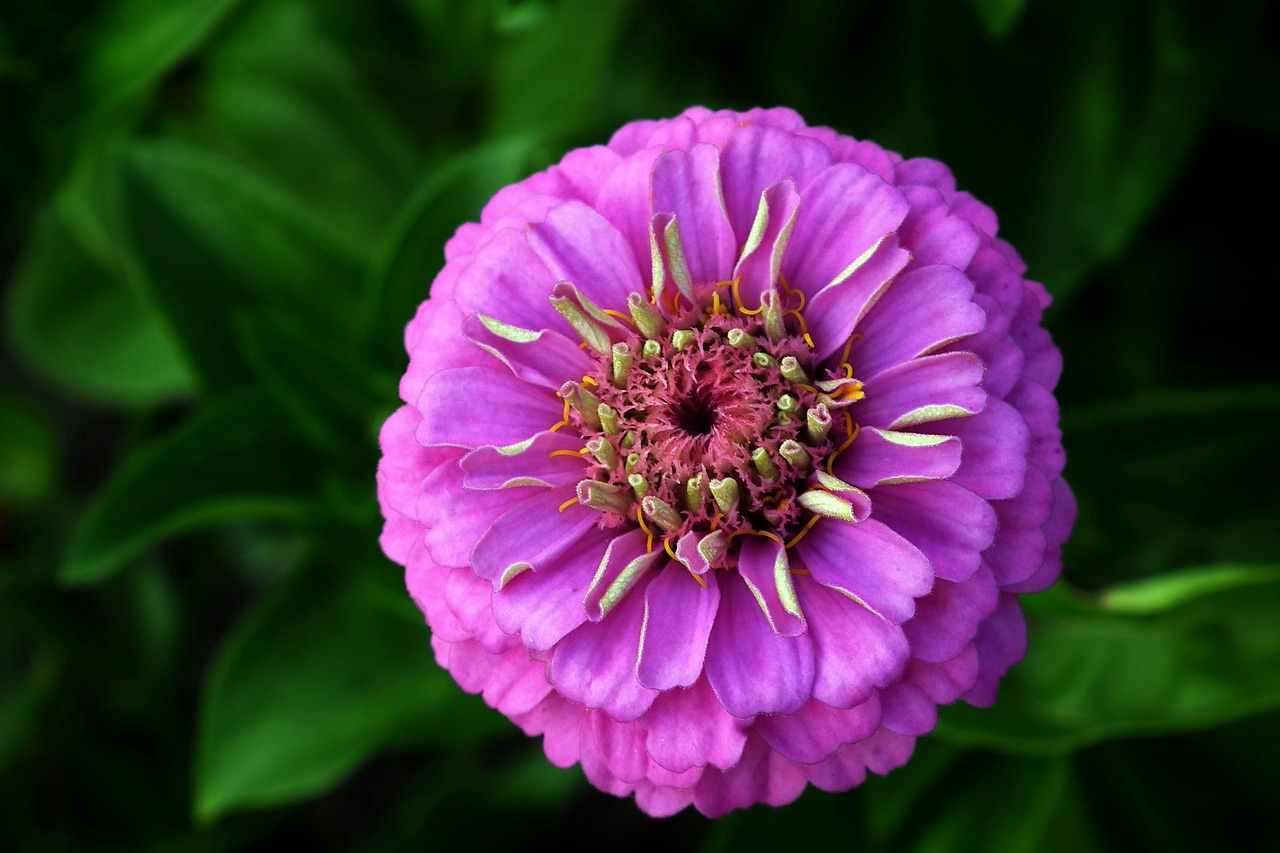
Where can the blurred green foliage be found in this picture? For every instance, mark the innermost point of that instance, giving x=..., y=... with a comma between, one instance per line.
x=218, y=217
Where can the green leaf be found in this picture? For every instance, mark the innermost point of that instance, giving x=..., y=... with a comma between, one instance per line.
x=331, y=396
x=998, y=17
x=214, y=238
x=991, y=797
x=140, y=40
x=1177, y=652
x=412, y=251
x=283, y=99
x=333, y=667
x=555, y=67
x=1132, y=105
x=28, y=453
x=79, y=323
x=235, y=458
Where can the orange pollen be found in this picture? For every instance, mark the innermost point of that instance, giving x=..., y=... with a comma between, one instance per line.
x=573, y=500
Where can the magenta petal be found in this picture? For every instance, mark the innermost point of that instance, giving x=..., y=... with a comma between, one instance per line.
x=996, y=440
x=617, y=203
x=935, y=235
x=506, y=280
x=716, y=741
x=619, y=746
x=511, y=682
x=752, y=669
x=831, y=233
x=758, y=268
x=475, y=406
x=1021, y=543
x=687, y=183
x=923, y=390
x=424, y=578
x=870, y=563
x=531, y=535
x=947, y=619
x=883, y=456
x=455, y=516
x=546, y=358
x=659, y=801
x=922, y=311
x=751, y=161
x=595, y=664
x=544, y=606
x=678, y=615
x=818, y=730
x=469, y=598
x=626, y=563
x=1001, y=642
x=579, y=245
x=950, y=525
x=489, y=468
x=833, y=313
x=762, y=776
x=854, y=651
x=762, y=564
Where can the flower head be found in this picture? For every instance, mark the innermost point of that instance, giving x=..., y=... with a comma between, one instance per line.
x=727, y=448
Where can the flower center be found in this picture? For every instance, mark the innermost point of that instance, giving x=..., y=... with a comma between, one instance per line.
x=705, y=418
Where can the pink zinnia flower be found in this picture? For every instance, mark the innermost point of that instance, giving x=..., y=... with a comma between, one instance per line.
x=727, y=448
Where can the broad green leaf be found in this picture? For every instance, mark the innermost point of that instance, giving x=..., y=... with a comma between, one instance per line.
x=412, y=250
x=998, y=17
x=139, y=40
x=1178, y=652
x=1012, y=799
x=553, y=68
x=28, y=453
x=1134, y=101
x=235, y=458
x=79, y=322
x=282, y=98
x=213, y=238
x=318, y=678
x=331, y=396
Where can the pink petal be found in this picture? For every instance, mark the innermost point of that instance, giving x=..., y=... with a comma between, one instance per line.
x=506, y=280
x=762, y=564
x=488, y=468
x=511, y=682
x=475, y=406
x=883, y=456
x=752, y=669
x=947, y=619
x=950, y=525
x=580, y=246
x=755, y=157
x=532, y=534
x=854, y=651
x=544, y=606
x=870, y=563
x=935, y=235
x=678, y=615
x=762, y=776
x=1001, y=642
x=716, y=739
x=833, y=312
x=923, y=390
x=844, y=211
x=550, y=359
x=595, y=664
x=922, y=311
x=996, y=440
x=687, y=183
x=818, y=730
x=758, y=268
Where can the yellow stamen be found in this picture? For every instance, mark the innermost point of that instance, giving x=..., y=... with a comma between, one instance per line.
x=699, y=579
x=844, y=357
x=853, y=430
x=768, y=534
x=715, y=522
x=666, y=546
x=801, y=572
x=564, y=419
x=808, y=526
x=587, y=380
x=737, y=298
x=648, y=545
x=578, y=453
x=804, y=329
x=619, y=315
x=568, y=503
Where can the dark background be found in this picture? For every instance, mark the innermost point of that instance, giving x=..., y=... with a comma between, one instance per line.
x=217, y=218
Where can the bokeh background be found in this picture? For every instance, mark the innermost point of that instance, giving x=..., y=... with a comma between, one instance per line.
x=218, y=216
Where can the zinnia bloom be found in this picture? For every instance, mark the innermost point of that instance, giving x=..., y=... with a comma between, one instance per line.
x=726, y=450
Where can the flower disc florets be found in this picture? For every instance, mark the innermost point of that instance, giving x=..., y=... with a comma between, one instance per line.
x=727, y=450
